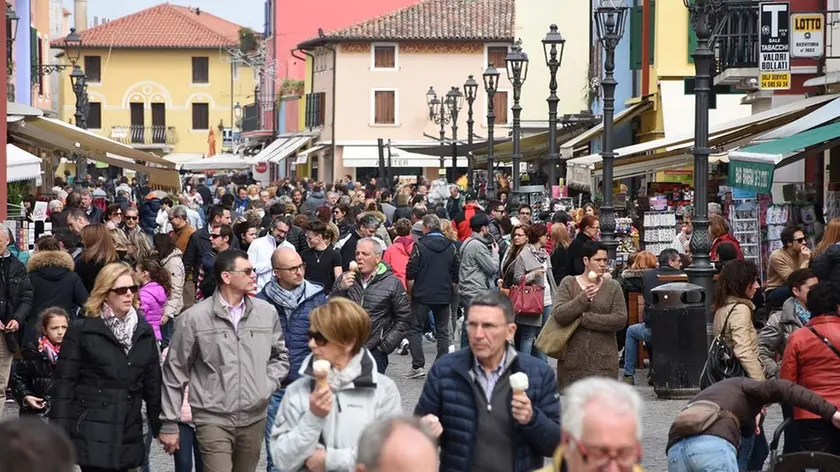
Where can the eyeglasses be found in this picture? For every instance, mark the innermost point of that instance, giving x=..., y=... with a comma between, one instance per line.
x=124, y=290
x=131, y=218
x=517, y=235
x=600, y=457
x=248, y=271
x=301, y=268
x=319, y=338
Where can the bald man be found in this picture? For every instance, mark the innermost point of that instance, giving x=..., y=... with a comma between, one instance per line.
x=294, y=298
x=396, y=444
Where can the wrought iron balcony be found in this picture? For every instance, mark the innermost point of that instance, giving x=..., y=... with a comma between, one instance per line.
x=736, y=47
x=145, y=136
x=250, y=118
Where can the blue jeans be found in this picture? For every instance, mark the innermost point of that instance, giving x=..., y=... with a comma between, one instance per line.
x=166, y=333
x=147, y=439
x=273, y=408
x=635, y=333
x=745, y=452
x=526, y=337
x=702, y=453
x=381, y=360
x=187, y=453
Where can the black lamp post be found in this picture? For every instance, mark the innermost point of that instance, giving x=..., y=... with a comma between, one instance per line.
x=609, y=21
x=553, y=58
x=11, y=27
x=454, y=104
x=491, y=84
x=517, y=72
x=438, y=115
x=470, y=89
x=704, y=14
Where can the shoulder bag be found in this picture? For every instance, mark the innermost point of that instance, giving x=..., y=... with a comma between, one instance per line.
x=825, y=340
x=528, y=300
x=721, y=362
x=553, y=337
x=698, y=416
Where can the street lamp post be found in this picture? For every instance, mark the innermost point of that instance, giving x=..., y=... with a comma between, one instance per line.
x=553, y=58
x=609, y=21
x=703, y=15
x=470, y=88
x=438, y=115
x=517, y=72
x=454, y=102
x=491, y=84
x=11, y=31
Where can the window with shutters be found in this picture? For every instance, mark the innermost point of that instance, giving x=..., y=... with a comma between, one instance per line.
x=35, y=56
x=93, y=68
x=384, y=56
x=41, y=80
x=501, y=107
x=316, y=104
x=200, y=116
x=496, y=55
x=636, y=35
x=385, y=107
x=94, y=118
x=200, y=70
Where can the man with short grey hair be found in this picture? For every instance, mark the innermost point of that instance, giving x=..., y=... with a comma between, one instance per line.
x=397, y=444
x=93, y=213
x=602, y=411
x=431, y=277
x=365, y=228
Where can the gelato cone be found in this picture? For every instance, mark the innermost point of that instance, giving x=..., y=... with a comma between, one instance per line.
x=519, y=383
x=353, y=266
x=593, y=276
x=321, y=368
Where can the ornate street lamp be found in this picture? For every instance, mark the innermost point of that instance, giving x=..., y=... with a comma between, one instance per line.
x=491, y=84
x=704, y=16
x=11, y=27
x=79, y=83
x=73, y=46
x=454, y=104
x=470, y=89
x=517, y=72
x=553, y=46
x=439, y=116
x=609, y=22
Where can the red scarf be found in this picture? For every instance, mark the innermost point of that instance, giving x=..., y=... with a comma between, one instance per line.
x=49, y=349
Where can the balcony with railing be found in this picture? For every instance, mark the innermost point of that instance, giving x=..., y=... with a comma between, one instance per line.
x=737, y=44
x=146, y=137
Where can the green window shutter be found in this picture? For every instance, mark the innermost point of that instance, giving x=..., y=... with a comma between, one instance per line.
x=692, y=38
x=635, y=38
x=33, y=45
x=651, y=48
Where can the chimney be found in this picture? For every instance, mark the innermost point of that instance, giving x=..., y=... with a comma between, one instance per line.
x=95, y=21
x=80, y=13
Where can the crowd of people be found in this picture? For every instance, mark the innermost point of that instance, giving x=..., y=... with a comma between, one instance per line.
x=234, y=318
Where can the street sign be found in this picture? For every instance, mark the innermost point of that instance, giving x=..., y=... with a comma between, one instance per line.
x=774, y=46
x=808, y=36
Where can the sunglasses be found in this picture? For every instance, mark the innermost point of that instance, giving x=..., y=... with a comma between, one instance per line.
x=132, y=218
x=247, y=271
x=800, y=240
x=125, y=290
x=215, y=235
x=319, y=338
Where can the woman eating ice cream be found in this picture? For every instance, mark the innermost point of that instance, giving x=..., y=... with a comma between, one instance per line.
x=338, y=394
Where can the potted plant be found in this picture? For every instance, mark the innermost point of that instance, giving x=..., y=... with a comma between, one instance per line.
x=247, y=39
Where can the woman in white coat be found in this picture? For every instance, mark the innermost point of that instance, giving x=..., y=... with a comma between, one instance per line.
x=320, y=421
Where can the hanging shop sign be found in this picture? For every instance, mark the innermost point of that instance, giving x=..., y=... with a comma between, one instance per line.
x=774, y=46
x=751, y=176
x=807, y=38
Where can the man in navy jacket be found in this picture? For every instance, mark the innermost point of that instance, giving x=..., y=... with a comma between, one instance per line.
x=468, y=402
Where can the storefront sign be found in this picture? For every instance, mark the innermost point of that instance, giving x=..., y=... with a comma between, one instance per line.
x=753, y=176
x=808, y=36
x=774, y=43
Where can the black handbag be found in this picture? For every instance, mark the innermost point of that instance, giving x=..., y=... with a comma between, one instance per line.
x=721, y=363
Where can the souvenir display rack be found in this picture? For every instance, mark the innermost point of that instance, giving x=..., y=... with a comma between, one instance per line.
x=660, y=230
x=746, y=227
x=628, y=238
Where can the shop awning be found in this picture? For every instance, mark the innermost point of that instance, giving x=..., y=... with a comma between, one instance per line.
x=567, y=149
x=531, y=148
x=368, y=156
x=21, y=165
x=179, y=158
x=303, y=156
x=218, y=162
x=281, y=148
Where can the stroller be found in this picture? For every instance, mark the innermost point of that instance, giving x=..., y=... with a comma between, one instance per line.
x=799, y=461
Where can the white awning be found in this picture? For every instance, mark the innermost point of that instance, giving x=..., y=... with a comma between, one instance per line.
x=818, y=117
x=280, y=149
x=368, y=156
x=684, y=140
x=218, y=162
x=303, y=156
x=21, y=165
x=184, y=157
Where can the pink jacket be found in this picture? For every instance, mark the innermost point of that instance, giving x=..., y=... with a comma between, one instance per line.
x=397, y=256
x=152, y=300
x=186, y=412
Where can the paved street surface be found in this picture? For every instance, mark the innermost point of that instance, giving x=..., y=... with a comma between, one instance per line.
x=656, y=419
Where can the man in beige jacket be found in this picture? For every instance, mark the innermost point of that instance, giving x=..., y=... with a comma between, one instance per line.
x=230, y=350
x=793, y=255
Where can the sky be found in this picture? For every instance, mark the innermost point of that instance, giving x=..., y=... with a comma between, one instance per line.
x=243, y=12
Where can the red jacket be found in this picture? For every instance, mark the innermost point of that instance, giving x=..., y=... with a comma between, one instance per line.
x=726, y=238
x=397, y=256
x=463, y=220
x=813, y=365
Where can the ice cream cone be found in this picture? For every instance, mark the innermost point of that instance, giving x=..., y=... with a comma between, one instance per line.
x=321, y=369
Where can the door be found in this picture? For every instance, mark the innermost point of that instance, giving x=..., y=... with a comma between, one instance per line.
x=137, y=123
x=158, y=123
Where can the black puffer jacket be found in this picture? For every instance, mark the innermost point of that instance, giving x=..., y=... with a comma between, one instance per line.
x=387, y=304
x=99, y=390
x=826, y=265
x=32, y=375
x=54, y=283
x=15, y=296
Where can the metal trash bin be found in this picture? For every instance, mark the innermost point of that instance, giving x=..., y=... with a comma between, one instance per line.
x=677, y=321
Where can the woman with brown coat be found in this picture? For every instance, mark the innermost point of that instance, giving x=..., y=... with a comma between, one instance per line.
x=598, y=303
x=734, y=316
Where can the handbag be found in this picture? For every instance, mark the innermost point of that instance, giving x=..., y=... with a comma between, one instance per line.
x=553, y=338
x=698, y=416
x=721, y=363
x=528, y=300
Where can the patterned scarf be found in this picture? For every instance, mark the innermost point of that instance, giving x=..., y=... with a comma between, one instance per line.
x=539, y=253
x=802, y=312
x=288, y=299
x=49, y=349
x=122, y=328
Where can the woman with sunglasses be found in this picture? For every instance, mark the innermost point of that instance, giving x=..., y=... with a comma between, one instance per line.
x=312, y=428
x=108, y=366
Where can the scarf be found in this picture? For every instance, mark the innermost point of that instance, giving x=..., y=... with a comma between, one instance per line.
x=123, y=329
x=802, y=312
x=49, y=349
x=539, y=253
x=287, y=299
x=338, y=379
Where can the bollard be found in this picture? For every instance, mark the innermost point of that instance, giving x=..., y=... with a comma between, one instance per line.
x=677, y=321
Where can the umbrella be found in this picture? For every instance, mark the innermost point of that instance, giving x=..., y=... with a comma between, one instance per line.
x=211, y=140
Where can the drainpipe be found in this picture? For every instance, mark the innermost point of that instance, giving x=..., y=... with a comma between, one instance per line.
x=332, y=131
x=645, y=47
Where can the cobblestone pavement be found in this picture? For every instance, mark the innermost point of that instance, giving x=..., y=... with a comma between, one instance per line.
x=656, y=419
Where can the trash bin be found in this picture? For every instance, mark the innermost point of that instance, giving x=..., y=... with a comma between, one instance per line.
x=677, y=321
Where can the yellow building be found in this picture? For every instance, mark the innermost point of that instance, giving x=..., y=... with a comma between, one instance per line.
x=162, y=79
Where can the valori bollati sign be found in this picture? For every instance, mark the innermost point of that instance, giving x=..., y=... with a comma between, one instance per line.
x=753, y=176
x=807, y=37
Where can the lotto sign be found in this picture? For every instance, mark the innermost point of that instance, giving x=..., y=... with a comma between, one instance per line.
x=774, y=45
x=808, y=36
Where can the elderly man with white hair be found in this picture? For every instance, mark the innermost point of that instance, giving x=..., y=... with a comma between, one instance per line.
x=397, y=444
x=601, y=428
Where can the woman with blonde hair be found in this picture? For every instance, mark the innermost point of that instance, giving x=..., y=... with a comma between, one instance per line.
x=99, y=251
x=311, y=420
x=139, y=247
x=108, y=366
x=825, y=262
x=560, y=240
